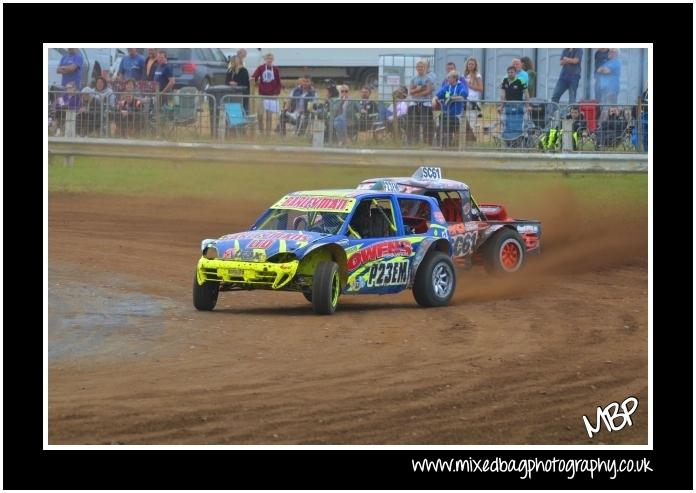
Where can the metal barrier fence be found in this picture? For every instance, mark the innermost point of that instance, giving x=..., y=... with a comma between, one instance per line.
x=181, y=116
x=400, y=123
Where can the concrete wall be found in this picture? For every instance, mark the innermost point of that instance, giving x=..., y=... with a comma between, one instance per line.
x=346, y=157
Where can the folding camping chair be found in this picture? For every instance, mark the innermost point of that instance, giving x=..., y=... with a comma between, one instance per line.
x=236, y=119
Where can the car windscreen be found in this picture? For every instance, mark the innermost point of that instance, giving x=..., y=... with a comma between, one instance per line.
x=178, y=53
x=301, y=220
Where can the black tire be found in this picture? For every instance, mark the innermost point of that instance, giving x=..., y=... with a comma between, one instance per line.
x=435, y=280
x=205, y=296
x=504, y=253
x=308, y=296
x=205, y=83
x=326, y=288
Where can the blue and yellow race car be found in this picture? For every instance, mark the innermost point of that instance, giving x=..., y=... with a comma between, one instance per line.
x=329, y=243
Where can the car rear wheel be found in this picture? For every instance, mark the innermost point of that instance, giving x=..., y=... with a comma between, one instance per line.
x=205, y=295
x=204, y=84
x=435, y=280
x=505, y=253
x=326, y=288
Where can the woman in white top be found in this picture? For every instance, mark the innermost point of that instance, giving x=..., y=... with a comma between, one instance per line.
x=474, y=81
x=401, y=106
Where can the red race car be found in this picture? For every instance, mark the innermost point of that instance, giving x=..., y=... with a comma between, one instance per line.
x=480, y=234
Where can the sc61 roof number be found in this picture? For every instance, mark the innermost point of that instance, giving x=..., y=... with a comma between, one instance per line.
x=430, y=173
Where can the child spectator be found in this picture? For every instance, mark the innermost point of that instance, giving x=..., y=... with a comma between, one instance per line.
x=400, y=95
x=452, y=98
x=128, y=114
x=267, y=78
x=579, y=125
x=66, y=108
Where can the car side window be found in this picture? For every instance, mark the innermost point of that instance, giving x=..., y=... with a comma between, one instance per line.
x=373, y=218
x=200, y=54
x=218, y=55
x=415, y=214
x=450, y=203
x=466, y=205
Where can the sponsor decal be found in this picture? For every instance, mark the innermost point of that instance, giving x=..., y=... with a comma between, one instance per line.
x=459, y=228
x=357, y=283
x=253, y=255
x=390, y=186
x=409, y=189
x=489, y=209
x=384, y=249
x=229, y=253
x=260, y=244
x=266, y=235
x=439, y=217
x=315, y=203
x=467, y=208
x=527, y=228
x=531, y=242
x=388, y=274
x=464, y=244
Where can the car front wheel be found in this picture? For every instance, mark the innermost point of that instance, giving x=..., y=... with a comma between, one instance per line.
x=326, y=288
x=205, y=295
x=435, y=280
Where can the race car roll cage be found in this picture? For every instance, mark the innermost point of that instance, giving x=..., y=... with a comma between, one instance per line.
x=454, y=212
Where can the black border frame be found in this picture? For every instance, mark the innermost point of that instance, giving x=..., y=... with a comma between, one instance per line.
x=27, y=466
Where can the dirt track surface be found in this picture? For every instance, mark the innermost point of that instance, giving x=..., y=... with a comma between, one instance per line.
x=509, y=362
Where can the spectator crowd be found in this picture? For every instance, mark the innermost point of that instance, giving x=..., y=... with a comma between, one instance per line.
x=454, y=98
